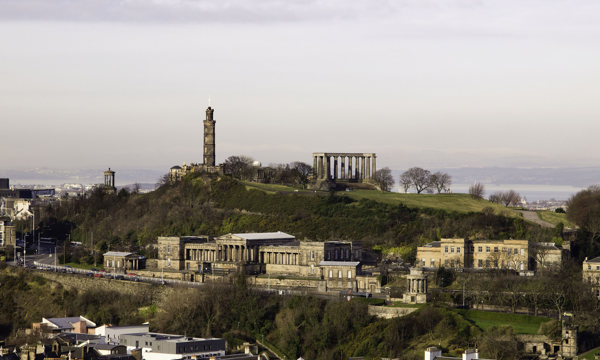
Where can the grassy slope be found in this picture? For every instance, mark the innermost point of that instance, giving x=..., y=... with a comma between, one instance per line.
x=521, y=324
x=555, y=218
x=589, y=355
x=461, y=203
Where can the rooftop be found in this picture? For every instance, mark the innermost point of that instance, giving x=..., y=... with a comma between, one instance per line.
x=67, y=322
x=117, y=253
x=265, y=235
x=433, y=244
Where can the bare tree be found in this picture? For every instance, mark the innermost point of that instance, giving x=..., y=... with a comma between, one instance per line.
x=419, y=178
x=477, y=191
x=405, y=181
x=239, y=167
x=496, y=197
x=384, y=179
x=440, y=181
x=511, y=197
x=302, y=170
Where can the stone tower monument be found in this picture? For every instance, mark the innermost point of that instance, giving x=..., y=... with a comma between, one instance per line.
x=417, y=287
x=209, y=138
x=109, y=181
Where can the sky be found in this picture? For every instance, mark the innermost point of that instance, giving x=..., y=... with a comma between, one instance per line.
x=435, y=84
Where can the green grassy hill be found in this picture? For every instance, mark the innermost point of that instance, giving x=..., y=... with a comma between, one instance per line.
x=461, y=203
x=216, y=206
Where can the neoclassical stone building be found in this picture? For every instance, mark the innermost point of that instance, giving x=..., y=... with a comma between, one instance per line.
x=352, y=167
x=336, y=263
x=518, y=255
x=591, y=274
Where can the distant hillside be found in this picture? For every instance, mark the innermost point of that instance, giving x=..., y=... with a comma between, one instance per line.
x=200, y=205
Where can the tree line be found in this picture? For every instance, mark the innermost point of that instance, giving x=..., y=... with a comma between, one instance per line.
x=421, y=180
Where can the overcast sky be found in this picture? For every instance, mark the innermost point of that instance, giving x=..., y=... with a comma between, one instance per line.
x=436, y=84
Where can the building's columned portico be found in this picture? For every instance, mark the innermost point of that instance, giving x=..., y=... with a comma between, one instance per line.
x=342, y=169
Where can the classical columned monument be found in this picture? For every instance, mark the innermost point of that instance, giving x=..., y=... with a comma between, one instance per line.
x=357, y=167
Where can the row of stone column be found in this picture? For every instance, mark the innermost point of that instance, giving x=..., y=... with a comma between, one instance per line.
x=229, y=253
x=417, y=286
x=364, y=167
x=280, y=258
x=133, y=264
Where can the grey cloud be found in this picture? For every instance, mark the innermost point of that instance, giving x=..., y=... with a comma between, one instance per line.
x=185, y=11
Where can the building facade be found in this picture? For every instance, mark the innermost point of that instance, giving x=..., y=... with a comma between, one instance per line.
x=8, y=233
x=337, y=264
x=155, y=346
x=518, y=255
x=123, y=261
x=591, y=274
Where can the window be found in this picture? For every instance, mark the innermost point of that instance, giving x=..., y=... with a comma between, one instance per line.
x=487, y=249
x=432, y=263
x=479, y=263
x=451, y=263
x=495, y=249
x=452, y=249
x=339, y=274
x=480, y=249
x=168, y=262
x=168, y=249
x=522, y=251
x=312, y=269
x=495, y=263
x=458, y=250
x=312, y=255
x=330, y=273
x=349, y=274
x=445, y=249
x=487, y=263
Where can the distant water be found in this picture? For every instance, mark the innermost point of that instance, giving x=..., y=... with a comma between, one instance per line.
x=531, y=192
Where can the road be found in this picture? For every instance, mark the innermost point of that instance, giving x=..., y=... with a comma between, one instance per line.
x=533, y=217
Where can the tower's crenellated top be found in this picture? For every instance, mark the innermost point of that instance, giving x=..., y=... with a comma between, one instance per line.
x=209, y=114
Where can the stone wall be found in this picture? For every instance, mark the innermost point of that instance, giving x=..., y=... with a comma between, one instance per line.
x=274, y=282
x=386, y=312
x=72, y=281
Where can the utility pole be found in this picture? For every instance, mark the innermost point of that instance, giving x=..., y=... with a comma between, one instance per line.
x=93, y=250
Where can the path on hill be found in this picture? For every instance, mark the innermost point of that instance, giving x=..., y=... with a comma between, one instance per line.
x=533, y=217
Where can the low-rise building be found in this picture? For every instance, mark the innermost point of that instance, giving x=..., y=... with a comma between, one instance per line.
x=111, y=333
x=156, y=346
x=591, y=274
x=433, y=353
x=518, y=255
x=123, y=261
x=78, y=324
x=8, y=235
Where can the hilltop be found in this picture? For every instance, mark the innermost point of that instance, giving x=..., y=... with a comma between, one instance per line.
x=216, y=206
